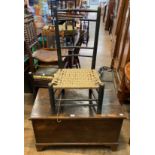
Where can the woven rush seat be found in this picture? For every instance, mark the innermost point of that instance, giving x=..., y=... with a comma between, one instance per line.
x=76, y=79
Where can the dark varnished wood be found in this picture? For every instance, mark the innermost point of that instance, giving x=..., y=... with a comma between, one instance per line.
x=110, y=13
x=121, y=53
x=42, y=109
x=86, y=128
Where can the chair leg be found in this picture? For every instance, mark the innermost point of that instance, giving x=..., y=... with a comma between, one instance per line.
x=52, y=99
x=63, y=92
x=90, y=96
x=77, y=62
x=100, y=99
x=34, y=89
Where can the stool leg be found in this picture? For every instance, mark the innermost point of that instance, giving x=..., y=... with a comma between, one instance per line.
x=52, y=99
x=100, y=98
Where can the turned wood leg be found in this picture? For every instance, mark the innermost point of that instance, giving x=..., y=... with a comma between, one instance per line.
x=114, y=147
x=40, y=148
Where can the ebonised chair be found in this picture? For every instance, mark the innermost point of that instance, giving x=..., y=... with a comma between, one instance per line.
x=76, y=78
x=48, y=61
x=48, y=64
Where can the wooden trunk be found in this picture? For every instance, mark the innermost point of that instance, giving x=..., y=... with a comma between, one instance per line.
x=78, y=125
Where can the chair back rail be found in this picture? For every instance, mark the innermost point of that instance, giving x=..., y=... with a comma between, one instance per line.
x=77, y=49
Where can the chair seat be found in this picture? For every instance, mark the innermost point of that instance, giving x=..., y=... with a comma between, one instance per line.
x=44, y=55
x=76, y=79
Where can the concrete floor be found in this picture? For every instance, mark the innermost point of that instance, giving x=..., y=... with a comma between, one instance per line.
x=103, y=59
